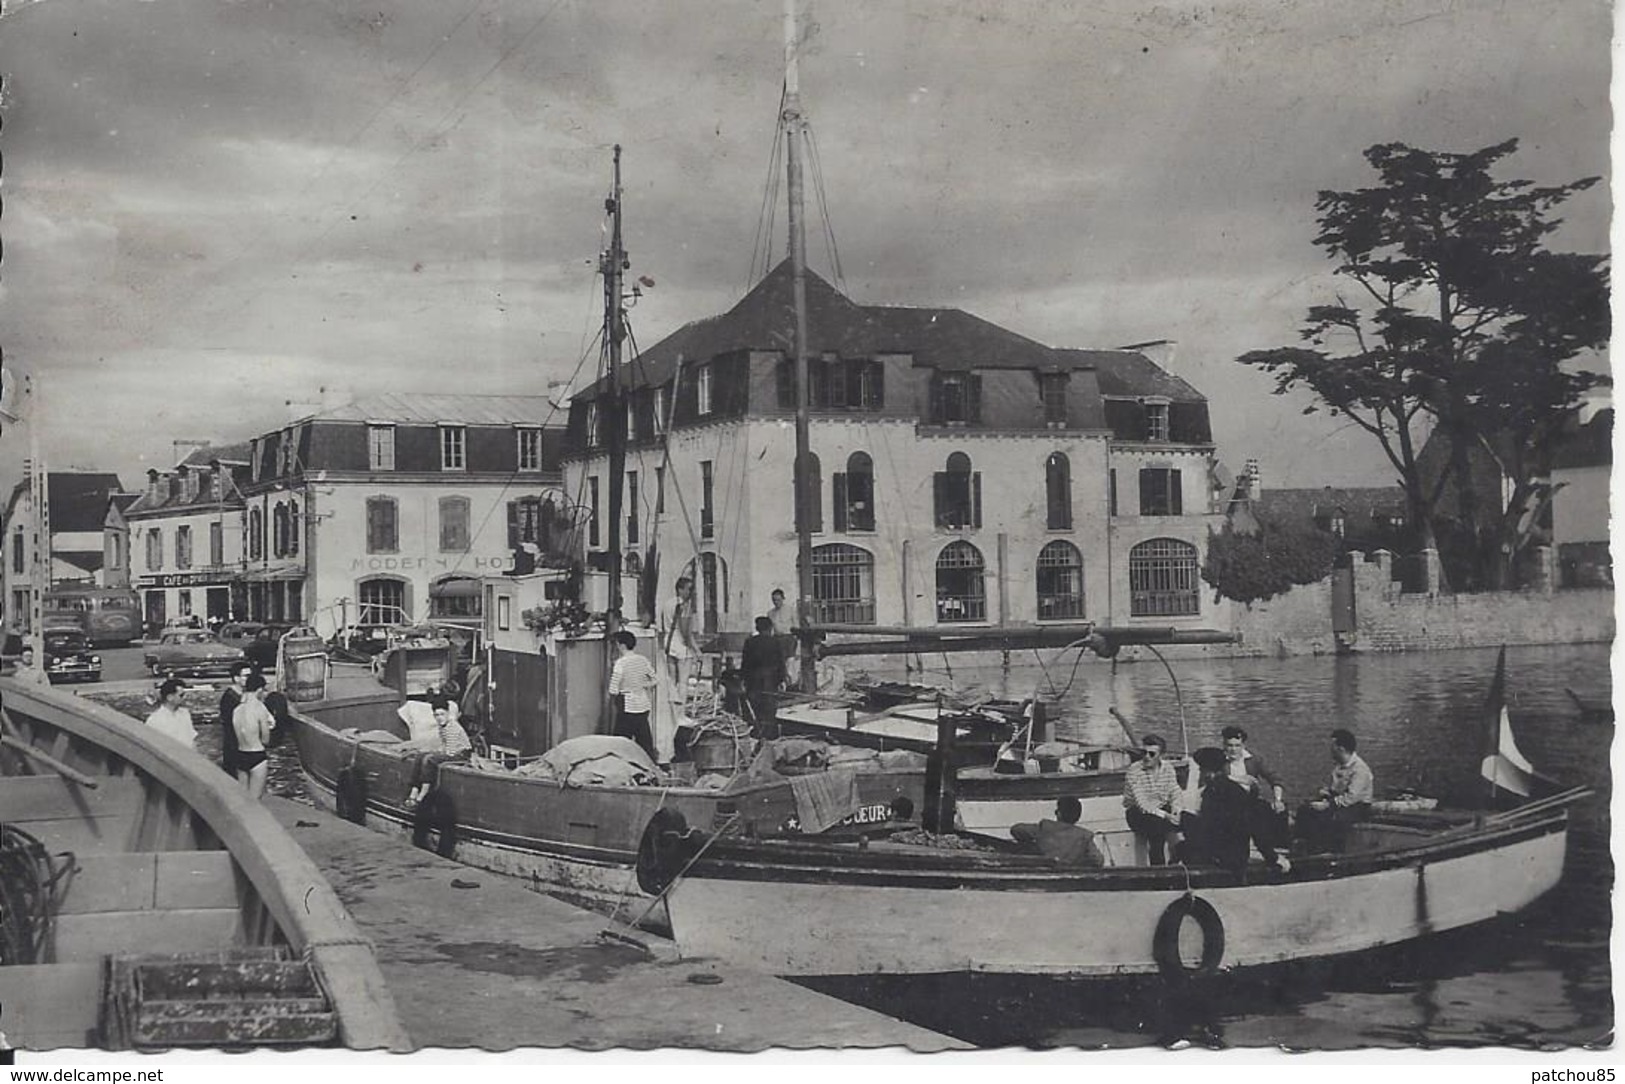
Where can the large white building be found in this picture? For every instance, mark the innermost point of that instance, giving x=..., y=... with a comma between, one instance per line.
x=185, y=538
x=966, y=475
x=389, y=508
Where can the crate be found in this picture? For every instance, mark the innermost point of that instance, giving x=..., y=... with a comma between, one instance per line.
x=253, y=997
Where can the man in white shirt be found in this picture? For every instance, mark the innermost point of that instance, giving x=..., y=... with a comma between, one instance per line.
x=632, y=678
x=170, y=719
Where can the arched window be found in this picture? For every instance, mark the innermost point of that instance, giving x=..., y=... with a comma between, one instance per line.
x=1162, y=579
x=381, y=601
x=1058, y=492
x=279, y=530
x=961, y=595
x=1060, y=581
x=710, y=590
x=843, y=585
x=256, y=534
x=957, y=494
x=815, y=479
x=293, y=528
x=854, y=493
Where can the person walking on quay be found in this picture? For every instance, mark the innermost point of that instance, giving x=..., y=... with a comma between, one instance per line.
x=762, y=660
x=1152, y=799
x=229, y=700
x=28, y=669
x=170, y=719
x=1063, y=838
x=1323, y=824
x=632, y=679
x=253, y=724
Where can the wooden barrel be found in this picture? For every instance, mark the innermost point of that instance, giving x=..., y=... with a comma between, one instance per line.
x=303, y=664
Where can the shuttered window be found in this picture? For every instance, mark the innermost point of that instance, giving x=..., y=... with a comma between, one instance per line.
x=383, y=532
x=1160, y=492
x=957, y=495
x=453, y=524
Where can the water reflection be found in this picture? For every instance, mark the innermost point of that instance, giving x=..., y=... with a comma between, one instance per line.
x=1539, y=979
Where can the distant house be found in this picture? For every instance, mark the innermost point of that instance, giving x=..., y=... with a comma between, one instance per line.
x=187, y=530
x=1366, y=518
x=78, y=508
x=1580, y=473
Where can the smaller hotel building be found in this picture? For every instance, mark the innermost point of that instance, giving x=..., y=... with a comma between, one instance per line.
x=186, y=538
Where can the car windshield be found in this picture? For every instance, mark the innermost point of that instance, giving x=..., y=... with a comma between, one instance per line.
x=64, y=641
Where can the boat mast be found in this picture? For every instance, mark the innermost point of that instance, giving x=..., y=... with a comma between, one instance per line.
x=613, y=263
x=805, y=498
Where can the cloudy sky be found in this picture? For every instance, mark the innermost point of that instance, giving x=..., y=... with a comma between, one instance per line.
x=213, y=207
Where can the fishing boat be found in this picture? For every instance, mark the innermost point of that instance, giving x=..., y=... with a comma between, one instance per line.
x=803, y=907
x=146, y=902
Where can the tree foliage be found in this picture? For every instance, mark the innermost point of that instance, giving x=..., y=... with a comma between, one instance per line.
x=1458, y=311
x=1251, y=567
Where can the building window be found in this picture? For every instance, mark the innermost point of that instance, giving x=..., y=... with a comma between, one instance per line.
x=530, y=449
x=382, y=602
x=453, y=524
x=1162, y=579
x=256, y=534
x=183, y=547
x=217, y=544
x=1156, y=422
x=631, y=420
x=1160, y=492
x=631, y=508
x=1058, y=492
x=957, y=495
x=843, y=585
x=381, y=447
x=660, y=411
x=854, y=493
x=256, y=449
x=524, y=522
x=592, y=424
x=183, y=600
x=834, y=384
x=592, y=511
x=703, y=390
x=1111, y=492
x=155, y=549
x=815, y=475
x=712, y=590
x=453, y=447
x=285, y=453
x=457, y=597
x=17, y=553
x=956, y=399
x=660, y=490
x=293, y=528
x=961, y=594
x=1052, y=391
x=279, y=530
x=1060, y=581
x=504, y=613
x=383, y=525
x=708, y=512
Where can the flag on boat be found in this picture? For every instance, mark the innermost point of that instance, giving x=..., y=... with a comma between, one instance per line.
x=1505, y=766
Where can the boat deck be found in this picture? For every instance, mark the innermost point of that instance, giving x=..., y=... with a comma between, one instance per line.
x=499, y=966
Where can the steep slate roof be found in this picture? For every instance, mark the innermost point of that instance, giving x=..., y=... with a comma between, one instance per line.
x=1591, y=445
x=79, y=501
x=764, y=319
x=1303, y=505
x=225, y=453
x=1129, y=373
x=427, y=409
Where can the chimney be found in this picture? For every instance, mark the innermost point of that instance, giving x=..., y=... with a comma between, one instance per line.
x=1255, y=486
x=154, y=494
x=217, y=481
x=1160, y=352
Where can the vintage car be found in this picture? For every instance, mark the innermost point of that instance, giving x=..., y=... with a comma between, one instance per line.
x=68, y=656
x=191, y=652
x=256, y=640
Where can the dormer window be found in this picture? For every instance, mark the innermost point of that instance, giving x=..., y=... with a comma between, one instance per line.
x=956, y=399
x=530, y=449
x=380, y=447
x=1052, y=391
x=703, y=391
x=1156, y=420
x=660, y=411
x=453, y=447
x=592, y=424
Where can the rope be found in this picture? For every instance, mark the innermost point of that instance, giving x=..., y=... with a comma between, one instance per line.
x=718, y=834
x=28, y=889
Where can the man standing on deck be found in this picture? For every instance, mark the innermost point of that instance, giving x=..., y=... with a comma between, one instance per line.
x=762, y=660
x=632, y=679
x=1152, y=799
x=677, y=644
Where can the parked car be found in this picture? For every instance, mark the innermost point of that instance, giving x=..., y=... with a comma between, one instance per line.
x=256, y=640
x=191, y=652
x=68, y=656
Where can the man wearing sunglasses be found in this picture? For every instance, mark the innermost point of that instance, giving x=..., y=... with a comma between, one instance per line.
x=1152, y=799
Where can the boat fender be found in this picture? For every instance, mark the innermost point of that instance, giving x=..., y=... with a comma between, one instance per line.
x=661, y=851
x=1165, y=942
x=350, y=796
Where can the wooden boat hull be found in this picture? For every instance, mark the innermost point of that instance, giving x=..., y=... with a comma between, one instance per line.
x=170, y=858
x=577, y=842
x=818, y=912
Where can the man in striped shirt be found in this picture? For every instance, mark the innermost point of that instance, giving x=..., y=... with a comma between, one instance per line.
x=632, y=678
x=1152, y=799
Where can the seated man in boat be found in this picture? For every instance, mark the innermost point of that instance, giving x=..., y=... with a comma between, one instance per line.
x=1062, y=839
x=1152, y=799
x=453, y=744
x=1226, y=823
x=1251, y=773
x=1324, y=823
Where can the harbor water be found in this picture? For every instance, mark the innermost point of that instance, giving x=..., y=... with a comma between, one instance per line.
x=1537, y=980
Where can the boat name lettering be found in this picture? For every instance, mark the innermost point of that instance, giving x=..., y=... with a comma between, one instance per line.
x=869, y=814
